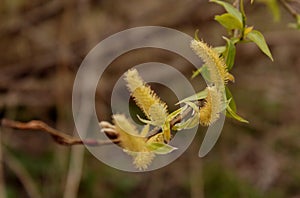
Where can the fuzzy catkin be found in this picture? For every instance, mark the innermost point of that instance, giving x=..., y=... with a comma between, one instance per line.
x=145, y=98
x=215, y=64
x=210, y=112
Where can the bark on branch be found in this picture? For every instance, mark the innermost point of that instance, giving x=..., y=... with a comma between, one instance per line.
x=58, y=136
x=65, y=139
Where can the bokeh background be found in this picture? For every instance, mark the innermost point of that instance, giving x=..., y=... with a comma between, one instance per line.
x=42, y=44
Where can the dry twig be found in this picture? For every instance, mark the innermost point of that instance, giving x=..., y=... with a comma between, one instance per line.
x=65, y=139
x=58, y=136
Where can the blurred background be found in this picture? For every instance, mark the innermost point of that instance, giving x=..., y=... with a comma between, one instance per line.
x=42, y=44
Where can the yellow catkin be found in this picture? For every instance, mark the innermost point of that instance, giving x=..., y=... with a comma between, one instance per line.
x=144, y=97
x=142, y=160
x=209, y=113
x=133, y=144
x=215, y=64
x=128, y=135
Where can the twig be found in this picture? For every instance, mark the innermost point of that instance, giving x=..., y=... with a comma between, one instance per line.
x=58, y=136
x=64, y=139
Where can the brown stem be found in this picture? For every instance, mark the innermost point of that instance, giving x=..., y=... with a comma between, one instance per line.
x=65, y=139
x=58, y=136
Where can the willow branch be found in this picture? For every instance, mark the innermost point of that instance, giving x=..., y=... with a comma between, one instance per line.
x=58, y=136
x=65, y=139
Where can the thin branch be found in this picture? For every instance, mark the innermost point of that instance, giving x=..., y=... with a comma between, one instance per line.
x=65, y=139
x=58, y=136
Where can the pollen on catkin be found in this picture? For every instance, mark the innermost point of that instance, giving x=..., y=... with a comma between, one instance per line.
x=144, y=97
x=215, y=64
x=213, y=105
x=133, y=144
x=128, y=135
x=142, y=160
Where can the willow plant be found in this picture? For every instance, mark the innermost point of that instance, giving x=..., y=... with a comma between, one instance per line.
x=204, y=108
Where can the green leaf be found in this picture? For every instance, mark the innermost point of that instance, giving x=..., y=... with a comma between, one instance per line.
x=234, y=115
x=144, y=120
x=229, y=21
x=203, y=71
x=197, y=72
x=193, y=105
x=198, y=96
x=196, y=35
x=220, y=49
x=172, y=115
x=190, y=123
x=160, y=148
x=247, y=30
x=229, y=53
x=229, y=96
x=260, y=41
x=230, y=9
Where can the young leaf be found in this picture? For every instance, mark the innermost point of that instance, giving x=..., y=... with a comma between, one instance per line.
x=197, y=72
x=198, y=96
x=229, y=96
x=229, y=21
x=172, y=115
x=220, y=49
x=260, y=41
x=196, y=35
x=203, y=71
x=160, y=148
x=193, y=105
x=247, y=30
x=144, y=120
x=167, y=131
x=229, y=53
x=230, y=9
x=234, y=115
x=190, y=123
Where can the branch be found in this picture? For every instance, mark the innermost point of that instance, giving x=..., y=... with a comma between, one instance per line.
x=67, y=140
x=58, y=136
